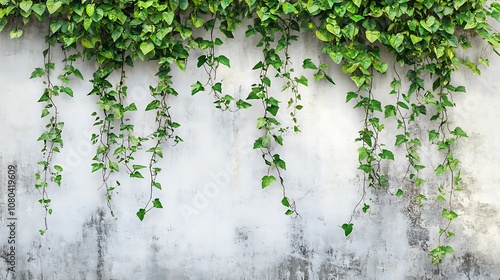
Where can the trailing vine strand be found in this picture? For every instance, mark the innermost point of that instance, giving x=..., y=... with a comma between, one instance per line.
x=52, y=136
x=422, y=37
x=164, y=132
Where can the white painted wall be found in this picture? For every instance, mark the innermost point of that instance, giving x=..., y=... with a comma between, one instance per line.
x=217, y=222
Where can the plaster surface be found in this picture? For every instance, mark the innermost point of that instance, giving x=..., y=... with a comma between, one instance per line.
x=217, y=222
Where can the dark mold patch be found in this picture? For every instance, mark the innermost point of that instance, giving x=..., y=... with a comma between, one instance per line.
x=294, y=268
x=469, y=265
x=338, y=265
x=98, y=223
x=297, y=265
x=241, y=235
x=418, y=236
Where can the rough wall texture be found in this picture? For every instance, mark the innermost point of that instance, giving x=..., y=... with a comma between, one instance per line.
x=217, y=223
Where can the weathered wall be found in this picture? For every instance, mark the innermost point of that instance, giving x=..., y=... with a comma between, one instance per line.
x=217, y=222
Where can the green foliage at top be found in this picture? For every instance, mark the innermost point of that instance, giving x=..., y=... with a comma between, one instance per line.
x=422, y=36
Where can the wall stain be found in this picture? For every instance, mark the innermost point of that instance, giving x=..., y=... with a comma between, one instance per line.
x=241, y=236
x=297, y=264
x=339, y=265
x=98, y=223
x=155, y=271
x=417, y=233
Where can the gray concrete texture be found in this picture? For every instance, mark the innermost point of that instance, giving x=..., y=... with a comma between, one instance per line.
x=217, y=222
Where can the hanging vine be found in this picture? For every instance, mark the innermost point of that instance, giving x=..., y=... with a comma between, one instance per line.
x=421, y=36
x=52, y=136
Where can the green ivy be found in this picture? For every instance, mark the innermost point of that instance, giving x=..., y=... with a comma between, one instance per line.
x=422, y=37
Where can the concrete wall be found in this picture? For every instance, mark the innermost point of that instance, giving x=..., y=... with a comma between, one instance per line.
x=217, y=222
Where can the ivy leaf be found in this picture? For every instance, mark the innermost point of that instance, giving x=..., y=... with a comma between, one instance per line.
x=362, y=153
x=285, y=202
x=258, y=65
x=174, y=4
x=224, y=60
x=357, y=18
x=433, y=135
x=183, y=4
x=113, y=166
x=241, y=104
x=403, y=105
x=358, y=80
x=225, y=3
x=372, y=35
x=381, y=66
x=138, y=167
x=375, y=105
x=347, y=228
x=153, y=105
x=26, y=5
x=448, y=250
x=217, y=87
x=197, y=87
x=146, y=47
x=323, y=35
x=365, y=207
x=168, y=16
x=136, y=174
x=267, y=180
x=302, y=80
x=16, y=33
x=288, y=8
x=45, y=136
x=396, y=40
x=67, y=90
x=278, y=139
x=400, y=139
x=78, y=74
x=458, y=3
x=201, y=60
x=218, y=42
x=273, y=109
x=117, y=33
x=141, y=213
x=415, y=39
x=262, y=142
x=58, y=168
x=390, y=111
x=157, y=185
x=45, y=112
x=367, y=168
x=459, y=132
x=308, y=64
x=261, y=122
x=279, y=162
x=97, y=166
x=399, y=192
x=157, y=203
x=449, y=214
x=174, y=125
x=87, y=43
x=37, y=73
x=461, y=88
x=350, y=95
x=39, y=8
x=53, y=6
x=386, y=154
x=90, y=9
x=186, y=33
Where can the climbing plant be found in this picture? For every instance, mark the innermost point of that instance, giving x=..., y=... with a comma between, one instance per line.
x=422, y=37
